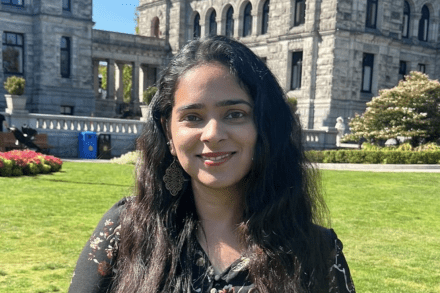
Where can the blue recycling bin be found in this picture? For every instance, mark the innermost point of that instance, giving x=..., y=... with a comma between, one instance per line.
x=87, y=145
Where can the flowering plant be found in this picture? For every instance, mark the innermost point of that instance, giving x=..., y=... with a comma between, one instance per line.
x=17, y=163
x=411, y=109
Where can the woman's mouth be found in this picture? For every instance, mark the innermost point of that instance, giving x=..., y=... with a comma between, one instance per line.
x=215, y=159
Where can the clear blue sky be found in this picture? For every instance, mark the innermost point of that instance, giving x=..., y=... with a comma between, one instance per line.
x=115, y=15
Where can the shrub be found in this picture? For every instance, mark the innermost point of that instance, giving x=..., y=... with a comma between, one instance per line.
x=293, y=103
x=149, y=94
x=14, y=85
x=411, y=109
x=375, y=156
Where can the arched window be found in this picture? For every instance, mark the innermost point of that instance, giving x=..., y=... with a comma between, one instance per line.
x=265, y=20
x=424, y=24
x=406, y=13
x=155, y=27
x=212, y=24
x=247, y=20
x=230, y=22
x=371, y=13
x=196, y=27
x=300, y=12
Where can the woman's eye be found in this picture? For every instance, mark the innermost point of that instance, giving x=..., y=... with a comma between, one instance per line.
x=235, y=115
x=191, y=118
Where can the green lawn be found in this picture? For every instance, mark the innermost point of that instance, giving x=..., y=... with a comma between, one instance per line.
x=389, y=224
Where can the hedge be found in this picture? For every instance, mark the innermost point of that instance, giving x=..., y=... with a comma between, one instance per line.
x=374, y=157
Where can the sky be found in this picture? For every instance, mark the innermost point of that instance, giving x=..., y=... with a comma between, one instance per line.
x=115, y=15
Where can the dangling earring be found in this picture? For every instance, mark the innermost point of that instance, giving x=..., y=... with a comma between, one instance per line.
x=174, y=178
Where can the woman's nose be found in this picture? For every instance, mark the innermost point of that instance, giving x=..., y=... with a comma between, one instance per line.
x=213, y=131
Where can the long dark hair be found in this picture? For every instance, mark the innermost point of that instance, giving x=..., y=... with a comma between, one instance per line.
x=283, y=204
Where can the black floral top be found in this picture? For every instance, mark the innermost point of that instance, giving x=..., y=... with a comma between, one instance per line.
x=94, y=269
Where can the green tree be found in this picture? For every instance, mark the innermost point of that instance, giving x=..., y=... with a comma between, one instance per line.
x=127, y=81
x=411, y=109
x=136, y=21
x=103, y=72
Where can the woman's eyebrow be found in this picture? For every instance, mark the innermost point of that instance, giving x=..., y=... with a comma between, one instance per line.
x=232, y=103
x=191, y=107
x=225, y=103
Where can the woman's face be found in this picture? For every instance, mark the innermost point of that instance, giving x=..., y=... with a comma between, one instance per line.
x=212, y=129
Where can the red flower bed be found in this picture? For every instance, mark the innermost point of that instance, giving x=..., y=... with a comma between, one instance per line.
x=17, y=163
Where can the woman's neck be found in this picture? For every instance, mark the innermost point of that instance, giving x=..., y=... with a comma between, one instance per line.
x=220, y=212
x=222, y=206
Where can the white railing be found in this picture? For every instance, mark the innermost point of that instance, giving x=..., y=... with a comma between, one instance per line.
x=82, y=123
x=324, y=138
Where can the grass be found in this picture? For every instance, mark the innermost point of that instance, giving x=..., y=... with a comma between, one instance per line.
x=45, y=221
x=388, y=222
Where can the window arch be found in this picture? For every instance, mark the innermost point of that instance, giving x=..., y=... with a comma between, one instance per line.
x=265, y=17
x=406, y=19
x=230, y=22
x=424, y=24
x=371, y=13
x=212, y=24
x=247, y=20
x=196, y=26
x=300, y=12
x=155, y=27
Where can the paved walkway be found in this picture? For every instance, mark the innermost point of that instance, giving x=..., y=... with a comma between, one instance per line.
x=341, y=167
x=382, y=167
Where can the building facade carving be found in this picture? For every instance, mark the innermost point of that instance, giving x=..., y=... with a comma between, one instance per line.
x=332, y=55
x=51, y=44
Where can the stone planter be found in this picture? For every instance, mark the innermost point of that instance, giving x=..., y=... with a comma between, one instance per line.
x=16, y=104
x=144, y=111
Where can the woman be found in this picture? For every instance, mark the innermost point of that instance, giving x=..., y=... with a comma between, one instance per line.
x=225, y=200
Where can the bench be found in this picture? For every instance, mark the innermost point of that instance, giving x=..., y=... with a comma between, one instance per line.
x=7, y=142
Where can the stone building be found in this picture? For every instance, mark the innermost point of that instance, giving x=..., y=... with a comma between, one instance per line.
x=51, y=44
x=332, y=55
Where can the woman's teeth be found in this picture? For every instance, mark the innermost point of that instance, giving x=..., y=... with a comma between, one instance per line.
x=216, y=158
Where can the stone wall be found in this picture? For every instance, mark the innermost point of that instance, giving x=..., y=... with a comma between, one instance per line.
x=43, y=23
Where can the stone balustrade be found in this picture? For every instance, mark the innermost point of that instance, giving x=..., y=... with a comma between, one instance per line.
x=320, y=139
x=63, y=130
x=80, y=123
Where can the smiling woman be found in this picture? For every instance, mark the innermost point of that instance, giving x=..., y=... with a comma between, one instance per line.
x=211, y=130
x=225, y=199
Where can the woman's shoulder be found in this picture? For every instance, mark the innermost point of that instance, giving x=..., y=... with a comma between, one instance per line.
x=341, y=280
x=106, y=236
x=95, y=265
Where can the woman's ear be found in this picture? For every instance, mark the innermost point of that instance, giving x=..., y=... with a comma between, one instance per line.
x=165, y=125
x=172, y=148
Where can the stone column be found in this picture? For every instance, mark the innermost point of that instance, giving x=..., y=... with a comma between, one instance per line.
x=433, y=29
x=255, y=28
x=142, y=80
x=135, y=82
x=119, y=82
x=204, y=30
x=96, y=78
x=110, y=79
x=415, y=18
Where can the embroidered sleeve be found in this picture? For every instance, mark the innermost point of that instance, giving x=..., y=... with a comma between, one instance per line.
x=94, y=268
x=340, y=277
